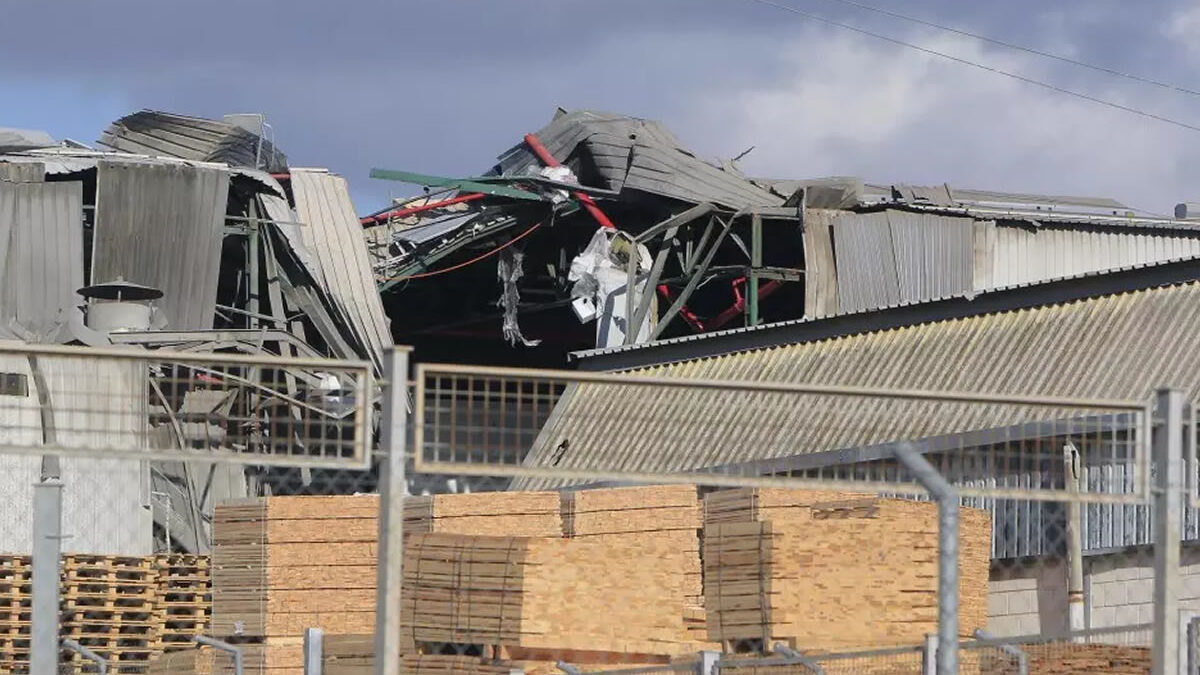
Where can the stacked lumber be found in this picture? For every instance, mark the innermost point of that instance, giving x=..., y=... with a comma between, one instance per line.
x=834, y=575
x=283, y=564
x=758, y=504
x=662, y=521
x=184, y=598
x=511, y=514
x=555, y=594
x=1059, y=658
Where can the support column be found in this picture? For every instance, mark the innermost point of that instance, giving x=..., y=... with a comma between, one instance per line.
x=392, y=490
x=1168, y=513
x=47, y=543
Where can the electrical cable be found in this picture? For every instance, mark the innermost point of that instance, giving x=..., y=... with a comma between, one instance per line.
x=980, y=66
x=1010, y=45
x=472, y=261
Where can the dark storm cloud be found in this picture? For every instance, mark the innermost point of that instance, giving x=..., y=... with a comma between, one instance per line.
x=442, y=87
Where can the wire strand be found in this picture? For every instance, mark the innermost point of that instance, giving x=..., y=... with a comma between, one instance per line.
x=472, y=261
x=1011, y=45
x=980, y=66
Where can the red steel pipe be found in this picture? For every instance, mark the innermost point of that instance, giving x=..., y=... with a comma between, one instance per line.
x=588, y=203
x=739, y=304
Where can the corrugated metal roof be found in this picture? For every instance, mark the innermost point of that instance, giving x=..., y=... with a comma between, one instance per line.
x=162, y=225
x=1119, y=347
x=333, y=233
x=635, y=154
x=165, y=134
x=41, y=254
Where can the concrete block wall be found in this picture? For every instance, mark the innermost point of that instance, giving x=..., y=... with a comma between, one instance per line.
x=1029, y=596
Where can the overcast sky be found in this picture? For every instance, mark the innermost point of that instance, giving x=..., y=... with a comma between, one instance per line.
x=444, y=86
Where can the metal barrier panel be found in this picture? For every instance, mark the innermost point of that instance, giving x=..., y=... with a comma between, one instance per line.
x=177, y=406
x=180, y=497
x=793, y=484
x=553, y=428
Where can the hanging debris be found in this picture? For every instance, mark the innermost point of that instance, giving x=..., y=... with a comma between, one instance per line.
x=509, y=270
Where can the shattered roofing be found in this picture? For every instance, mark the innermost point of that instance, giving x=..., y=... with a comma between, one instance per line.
x=157, y=133
x=632, y=154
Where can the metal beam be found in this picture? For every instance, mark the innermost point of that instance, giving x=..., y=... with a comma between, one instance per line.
x=461, y=184
x=697, y=277
x=673, y=223
x=660, y=263
x=756, y=244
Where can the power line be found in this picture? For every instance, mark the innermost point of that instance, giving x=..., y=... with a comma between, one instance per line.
x=980, y=66
x=1027, y=50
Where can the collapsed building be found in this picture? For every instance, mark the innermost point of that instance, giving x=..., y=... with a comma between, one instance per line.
x=174, y=233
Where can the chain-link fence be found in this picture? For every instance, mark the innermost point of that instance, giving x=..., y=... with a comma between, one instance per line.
x=550, y=522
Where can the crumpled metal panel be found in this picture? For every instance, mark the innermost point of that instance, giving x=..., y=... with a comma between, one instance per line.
x=41, y=255
x=634, y=154
x=1116, y=347
x=161, y=225
x=155, y=133
x=891, y=257
x=332, y=232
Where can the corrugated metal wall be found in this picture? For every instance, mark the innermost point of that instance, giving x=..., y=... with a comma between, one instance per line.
x=162, y=225
x=41, y=253
x=333, y=233
x=1025, y=253
x=105, y=502
x=891, y=257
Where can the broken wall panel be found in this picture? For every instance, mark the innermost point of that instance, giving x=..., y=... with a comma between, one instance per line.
x=820, y=273
x=161, y=225
x=866, y=263
x=332, y=232
x=41, y=254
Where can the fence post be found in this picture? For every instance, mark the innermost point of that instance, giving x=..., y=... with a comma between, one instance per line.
x=233, y=650
x=392, y=489
x=948, y=506
x=47, y=545
x=314, y=651
x=1168, y=504
x=708, y=662
x=929, y=655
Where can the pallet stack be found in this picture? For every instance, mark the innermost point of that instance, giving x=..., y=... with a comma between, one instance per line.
x=16, y=579
x=662, y=521
x=834, y=575
x=109, y=605
x=538, y=593
x=184, y=598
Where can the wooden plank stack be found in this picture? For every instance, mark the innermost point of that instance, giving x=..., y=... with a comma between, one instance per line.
x=184, y=598
x=511, y=514
x=851, y=573
x=662, y=521
x=554, y=594
x=283, y=564
x=109, y=604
